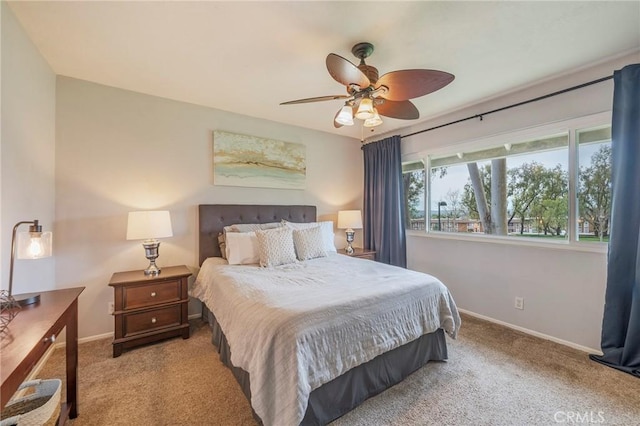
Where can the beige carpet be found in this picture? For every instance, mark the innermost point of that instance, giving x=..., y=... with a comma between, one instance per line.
x=494, y=376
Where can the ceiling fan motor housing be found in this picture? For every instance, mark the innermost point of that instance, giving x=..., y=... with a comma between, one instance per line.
x=361, y=51
x=370, y=71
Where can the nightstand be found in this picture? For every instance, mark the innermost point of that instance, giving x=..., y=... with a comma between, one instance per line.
x=360, y=253
x=149, y=308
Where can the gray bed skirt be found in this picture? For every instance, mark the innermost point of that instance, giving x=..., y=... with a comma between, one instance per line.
x=344, y=393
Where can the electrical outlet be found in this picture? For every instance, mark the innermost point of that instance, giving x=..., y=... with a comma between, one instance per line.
x=519, y=303
x=110, y=308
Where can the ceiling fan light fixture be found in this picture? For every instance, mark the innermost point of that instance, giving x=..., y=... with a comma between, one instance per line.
x=365, y=109
x=345, y=116
x=373, y=121
x=390, y=93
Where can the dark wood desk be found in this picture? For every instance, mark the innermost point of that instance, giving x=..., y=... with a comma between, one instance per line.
x=28, y=337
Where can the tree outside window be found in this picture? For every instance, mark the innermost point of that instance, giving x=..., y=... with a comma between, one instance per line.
x=517, y=189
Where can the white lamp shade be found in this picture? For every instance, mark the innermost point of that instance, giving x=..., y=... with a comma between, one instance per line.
x=345, y=116
x=365, y=109
x=349, y=219
x=373, y=121
x=148, y=225
x=33, y=245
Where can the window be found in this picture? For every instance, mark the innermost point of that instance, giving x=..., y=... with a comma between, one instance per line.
x=413, y=176
x=553, y=185
x=519, y=188
x=594, y=184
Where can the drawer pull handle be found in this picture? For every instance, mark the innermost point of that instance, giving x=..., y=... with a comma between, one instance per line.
x=153, y=294
x=49, y=339
x=153, y=320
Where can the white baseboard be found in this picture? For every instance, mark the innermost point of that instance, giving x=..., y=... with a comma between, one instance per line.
x=36, y=370
x=96, y=337
x=62, y=344
x=534, y=333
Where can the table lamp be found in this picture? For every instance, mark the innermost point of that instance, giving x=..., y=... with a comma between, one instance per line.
x=33, y=244
x=149, y=226
x=349, y=220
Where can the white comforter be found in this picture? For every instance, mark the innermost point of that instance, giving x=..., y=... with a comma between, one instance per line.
x=296, y=327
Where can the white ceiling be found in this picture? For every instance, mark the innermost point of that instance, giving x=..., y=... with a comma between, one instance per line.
x=247, y=57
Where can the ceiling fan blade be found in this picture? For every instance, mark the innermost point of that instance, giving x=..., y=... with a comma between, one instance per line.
x=409, y=84
x=316, y=99
x=404, y=110
x=345, y=72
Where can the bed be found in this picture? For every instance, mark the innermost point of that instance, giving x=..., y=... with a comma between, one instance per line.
x=309, y=341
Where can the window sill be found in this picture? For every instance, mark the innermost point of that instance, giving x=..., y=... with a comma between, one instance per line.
x=515, y=241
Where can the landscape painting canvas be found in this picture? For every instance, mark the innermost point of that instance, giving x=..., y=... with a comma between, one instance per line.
x=241, y=160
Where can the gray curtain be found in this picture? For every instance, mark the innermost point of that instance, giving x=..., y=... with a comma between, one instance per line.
x=383, y=217
x=621, y=323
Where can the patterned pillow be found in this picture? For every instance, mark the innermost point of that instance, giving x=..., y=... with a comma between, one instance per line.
x=222, y=244
x=275, y=247
x=309, y=243
x=327, y=232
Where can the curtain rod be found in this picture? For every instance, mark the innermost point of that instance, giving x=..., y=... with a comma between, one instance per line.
x=559, y=92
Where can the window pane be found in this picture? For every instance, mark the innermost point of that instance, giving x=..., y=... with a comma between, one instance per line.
x=414, y=179
x=530, y=181
x=594, y=184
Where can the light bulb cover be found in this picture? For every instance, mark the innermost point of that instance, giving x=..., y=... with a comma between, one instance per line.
x=365, y=109
x=33, y=245
x=345, y=116
x=373, y=121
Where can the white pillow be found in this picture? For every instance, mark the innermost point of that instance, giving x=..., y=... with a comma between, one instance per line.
x=327, y=232
x=309, y=243
x=242, y=227
x=275, y=247
x=242, y=248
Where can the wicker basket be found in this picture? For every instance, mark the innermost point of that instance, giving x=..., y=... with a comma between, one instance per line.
x=42, y=407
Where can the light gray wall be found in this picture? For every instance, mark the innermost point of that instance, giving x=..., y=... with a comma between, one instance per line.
x=27, y=152
x=118, y=151
x=563, y=289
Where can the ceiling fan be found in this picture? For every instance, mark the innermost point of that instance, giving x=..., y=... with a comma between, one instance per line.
x=369, y=97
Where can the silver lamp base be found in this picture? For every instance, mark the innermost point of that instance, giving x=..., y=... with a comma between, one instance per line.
x=152, y=251
x=350, y=234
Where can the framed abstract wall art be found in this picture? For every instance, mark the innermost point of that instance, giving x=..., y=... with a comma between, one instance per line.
x=242, y=160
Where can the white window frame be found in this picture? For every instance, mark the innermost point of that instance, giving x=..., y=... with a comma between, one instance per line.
x=569, y=126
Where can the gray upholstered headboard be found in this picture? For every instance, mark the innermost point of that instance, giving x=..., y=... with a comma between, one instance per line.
x=213, y=217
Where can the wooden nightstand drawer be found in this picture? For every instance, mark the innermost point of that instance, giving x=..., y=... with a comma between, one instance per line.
x=149, y=308
x=143, y=322
x=151, y=294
